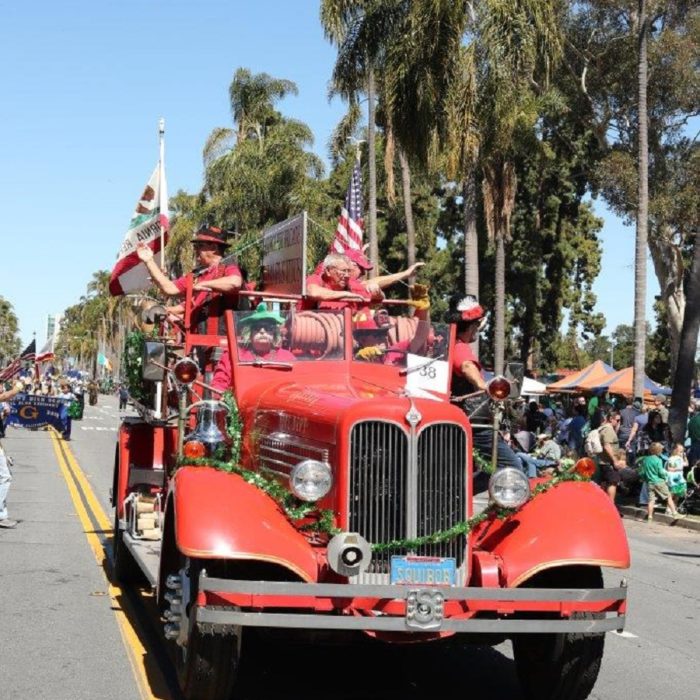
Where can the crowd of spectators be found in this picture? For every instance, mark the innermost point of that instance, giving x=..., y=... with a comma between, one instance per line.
x=638, y=456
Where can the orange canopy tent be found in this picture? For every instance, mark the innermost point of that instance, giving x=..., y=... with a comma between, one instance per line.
x=622, y=382
x=596, y=372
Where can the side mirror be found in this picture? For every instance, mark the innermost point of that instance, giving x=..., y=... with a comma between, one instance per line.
x=515, y=373
x=153, y=352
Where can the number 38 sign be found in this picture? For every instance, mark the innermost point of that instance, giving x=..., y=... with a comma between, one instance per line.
x=426, y=374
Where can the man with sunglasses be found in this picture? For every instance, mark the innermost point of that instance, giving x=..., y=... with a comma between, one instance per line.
x=215, y=289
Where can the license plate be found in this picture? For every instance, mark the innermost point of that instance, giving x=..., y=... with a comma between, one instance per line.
x=424, y=571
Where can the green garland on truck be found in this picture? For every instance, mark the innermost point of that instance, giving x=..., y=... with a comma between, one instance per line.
x=296, y=510
x=133, y=364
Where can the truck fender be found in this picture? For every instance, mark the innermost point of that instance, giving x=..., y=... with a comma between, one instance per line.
x=572, y=523
x=218, y=515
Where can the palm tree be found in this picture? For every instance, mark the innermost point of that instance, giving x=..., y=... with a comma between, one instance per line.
x=360, y=29
x=435, y=85
x=640, y=252
x=519, y=44
x=499, y=188
x=252, y=100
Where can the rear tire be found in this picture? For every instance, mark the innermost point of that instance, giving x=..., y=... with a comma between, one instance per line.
x=561, y=666
x=208, y=667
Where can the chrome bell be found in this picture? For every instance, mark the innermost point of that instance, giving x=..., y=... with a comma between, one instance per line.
x=211, y=416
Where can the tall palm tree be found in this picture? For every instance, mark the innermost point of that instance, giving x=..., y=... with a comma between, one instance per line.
x=460, y=154
x=360, y=29
x=252, y=100
x=640, y=252
x=499, y=188
x=519, y=43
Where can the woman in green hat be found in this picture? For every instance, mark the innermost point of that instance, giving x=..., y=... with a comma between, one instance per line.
x=259, y=340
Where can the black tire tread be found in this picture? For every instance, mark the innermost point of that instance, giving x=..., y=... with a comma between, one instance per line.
x=211, y=665
x=574, y=671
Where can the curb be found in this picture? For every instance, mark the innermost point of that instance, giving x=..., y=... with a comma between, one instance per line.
x=690, y=522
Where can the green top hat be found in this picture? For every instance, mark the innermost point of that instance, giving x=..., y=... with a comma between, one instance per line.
x=261, y=314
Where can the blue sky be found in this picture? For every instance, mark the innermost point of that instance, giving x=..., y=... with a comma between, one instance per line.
x=83, y=86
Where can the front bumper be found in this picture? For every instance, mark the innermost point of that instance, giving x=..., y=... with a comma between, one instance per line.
x=222, y=603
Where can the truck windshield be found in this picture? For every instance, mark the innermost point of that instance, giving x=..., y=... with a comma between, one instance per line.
x=390, y=340
x=286, y=336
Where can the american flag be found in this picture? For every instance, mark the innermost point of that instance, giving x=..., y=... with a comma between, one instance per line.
x=27, y=355
x=348, y=233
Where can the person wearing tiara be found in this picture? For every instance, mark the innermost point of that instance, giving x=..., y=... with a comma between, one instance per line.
x=467, y=380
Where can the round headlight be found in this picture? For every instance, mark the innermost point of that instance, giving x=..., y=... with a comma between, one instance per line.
x=311, y=480
x=509, y=487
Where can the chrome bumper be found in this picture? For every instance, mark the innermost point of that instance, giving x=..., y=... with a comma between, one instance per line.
x=420, y=609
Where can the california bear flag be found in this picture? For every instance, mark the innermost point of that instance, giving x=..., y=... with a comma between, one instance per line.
x=129, y=273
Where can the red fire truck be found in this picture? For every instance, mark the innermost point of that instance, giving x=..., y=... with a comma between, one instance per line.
x=347, y=507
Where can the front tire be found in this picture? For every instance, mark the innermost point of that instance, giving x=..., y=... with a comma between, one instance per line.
x=560, y=666
x=208, y=667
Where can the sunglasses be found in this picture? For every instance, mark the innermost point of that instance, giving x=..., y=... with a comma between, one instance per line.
x=269, y=328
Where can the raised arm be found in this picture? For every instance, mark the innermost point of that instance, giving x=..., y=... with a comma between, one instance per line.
x=421, y=303
x=16, y=389
x=160, y=279
x=384, y=281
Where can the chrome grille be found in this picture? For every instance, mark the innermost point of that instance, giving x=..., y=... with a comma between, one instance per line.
x=378, y=485
x=442, y=488
x=403, y=487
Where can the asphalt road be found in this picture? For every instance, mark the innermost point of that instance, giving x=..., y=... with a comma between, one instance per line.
x=66, y=633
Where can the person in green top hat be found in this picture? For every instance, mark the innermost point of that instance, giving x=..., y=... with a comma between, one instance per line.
x=260, y=330
x=260, y=337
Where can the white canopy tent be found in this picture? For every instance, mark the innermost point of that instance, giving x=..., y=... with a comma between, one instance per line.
x=531, y=387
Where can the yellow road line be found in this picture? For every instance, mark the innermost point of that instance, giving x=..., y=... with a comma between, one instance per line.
x=73, y=476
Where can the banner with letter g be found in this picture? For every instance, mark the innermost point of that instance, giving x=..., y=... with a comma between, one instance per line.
x=35, y=411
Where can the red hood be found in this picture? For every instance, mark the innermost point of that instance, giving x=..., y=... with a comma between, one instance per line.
x=326, y=405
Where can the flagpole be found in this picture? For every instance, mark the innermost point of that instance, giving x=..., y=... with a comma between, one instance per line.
x=161, y=166
x=161, y=169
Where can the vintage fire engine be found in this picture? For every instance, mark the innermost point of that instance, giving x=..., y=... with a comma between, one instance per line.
x=388, y=544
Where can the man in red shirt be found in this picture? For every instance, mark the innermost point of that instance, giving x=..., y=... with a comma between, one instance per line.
x=215, y=289
x=466, y=379
x=334, y=288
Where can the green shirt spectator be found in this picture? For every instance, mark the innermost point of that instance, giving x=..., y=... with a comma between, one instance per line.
x=651, y=469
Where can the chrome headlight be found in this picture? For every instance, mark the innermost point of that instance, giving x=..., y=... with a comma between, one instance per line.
x=509, y=487
x=310, y=479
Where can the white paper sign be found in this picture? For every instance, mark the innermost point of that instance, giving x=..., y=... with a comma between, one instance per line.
x=424, y=373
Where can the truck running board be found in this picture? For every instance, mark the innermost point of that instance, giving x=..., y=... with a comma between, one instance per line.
x=146, y=553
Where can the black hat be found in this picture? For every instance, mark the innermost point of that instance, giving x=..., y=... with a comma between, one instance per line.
x=209, y=234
